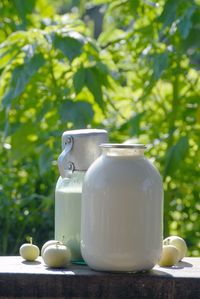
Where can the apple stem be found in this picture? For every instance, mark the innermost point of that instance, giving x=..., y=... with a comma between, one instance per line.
x=31, y=240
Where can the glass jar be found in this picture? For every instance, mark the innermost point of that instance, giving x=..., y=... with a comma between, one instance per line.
x=121, y=217
x=80, y=149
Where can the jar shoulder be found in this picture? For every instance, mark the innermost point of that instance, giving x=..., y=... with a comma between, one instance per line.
x=111, y=164
x=124, y=170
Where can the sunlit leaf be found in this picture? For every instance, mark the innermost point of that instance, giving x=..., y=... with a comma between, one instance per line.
x=70, y=44
x=21, y=77
x=21, y=145
x=7, y=56
x=111, y=36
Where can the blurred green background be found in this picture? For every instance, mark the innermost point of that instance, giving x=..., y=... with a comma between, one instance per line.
x=131, y=67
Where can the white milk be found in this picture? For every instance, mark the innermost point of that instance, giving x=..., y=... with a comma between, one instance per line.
x=121, y=227
x=79, y=149
x=67, y=219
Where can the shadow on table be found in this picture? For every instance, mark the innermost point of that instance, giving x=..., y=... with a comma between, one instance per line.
x=31, y=262
x=67, y=271
x=182, y=265
x=91, y=272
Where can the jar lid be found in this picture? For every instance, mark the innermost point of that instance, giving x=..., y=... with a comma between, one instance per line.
x=123, y=146
x=80, y=149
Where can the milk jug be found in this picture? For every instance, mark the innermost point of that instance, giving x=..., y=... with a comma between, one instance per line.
x=80, y=149
x=121, y=217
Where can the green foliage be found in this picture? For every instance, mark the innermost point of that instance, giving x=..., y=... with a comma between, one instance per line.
x=175, y=155
x=139, y=79
x=21, y=76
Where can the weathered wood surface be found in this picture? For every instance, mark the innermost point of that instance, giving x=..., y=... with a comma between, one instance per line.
x=20, y=279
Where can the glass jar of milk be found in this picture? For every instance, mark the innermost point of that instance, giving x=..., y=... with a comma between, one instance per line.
x=121, y=217
x=80, y=149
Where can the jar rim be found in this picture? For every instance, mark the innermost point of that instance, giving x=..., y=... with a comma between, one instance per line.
x=123, y=146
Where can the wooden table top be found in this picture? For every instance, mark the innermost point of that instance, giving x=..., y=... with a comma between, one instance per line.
x=22, y=279
x=188, y=267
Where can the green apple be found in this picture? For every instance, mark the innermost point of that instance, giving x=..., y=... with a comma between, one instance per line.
x=56, y=255
x=29, y=251
x=169, y=256
x=179, y=243
x=48, y=243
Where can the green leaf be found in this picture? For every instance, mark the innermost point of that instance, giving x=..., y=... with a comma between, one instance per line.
x=111, y=36
x=132, y=126
x=192, y=41
x=79, y=113
x=168, y=15
x=16, y=40
x=45, y=159
x=2, y=120
x=79, y=80
x=185, y=23
x=93, y=82
x=21, y=77
x=134, y=5
x=175, y=156
x=70, y=44
x=12, y=46
x=22, y=146
x=7, y=56
x=160, y=63
x=24, y=8
x=135, y=124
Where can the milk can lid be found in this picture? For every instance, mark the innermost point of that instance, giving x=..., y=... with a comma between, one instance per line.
x=80, y=149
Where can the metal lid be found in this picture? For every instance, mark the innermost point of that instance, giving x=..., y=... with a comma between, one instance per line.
x=80, y=149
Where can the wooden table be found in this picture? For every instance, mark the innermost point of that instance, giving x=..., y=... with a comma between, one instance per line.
x=20, y=279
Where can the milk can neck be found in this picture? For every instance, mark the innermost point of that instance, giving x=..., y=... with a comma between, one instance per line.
x=115, y=149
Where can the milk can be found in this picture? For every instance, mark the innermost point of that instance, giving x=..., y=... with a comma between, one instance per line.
x=80, y=149
x=121, y=217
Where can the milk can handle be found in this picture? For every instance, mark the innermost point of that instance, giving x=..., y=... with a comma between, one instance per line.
x=65, y=167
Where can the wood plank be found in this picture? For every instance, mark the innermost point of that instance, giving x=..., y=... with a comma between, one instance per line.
x=20, y=279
